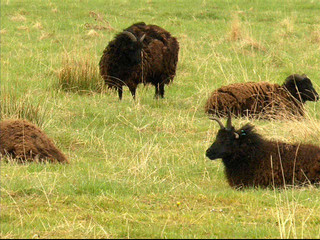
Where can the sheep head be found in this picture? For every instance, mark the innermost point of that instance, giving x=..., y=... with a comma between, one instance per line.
x=130, y=47
x=301, y=88
x=228, y=140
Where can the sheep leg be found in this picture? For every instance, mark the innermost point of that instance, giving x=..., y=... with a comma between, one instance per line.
x=161, y=88
x=157, y=91
x=120, y=92
x=133, y=92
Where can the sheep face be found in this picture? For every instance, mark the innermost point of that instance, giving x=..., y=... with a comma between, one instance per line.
x=307, y=92
x=133, y=52
x=229, y=141
x=226, y=141
x=301, y=88
x=131, y=48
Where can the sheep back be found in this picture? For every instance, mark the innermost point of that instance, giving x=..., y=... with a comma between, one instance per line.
x=300, y=163
x=276, y=164
x=240, y=98
x=24, y=141
x=258, y=100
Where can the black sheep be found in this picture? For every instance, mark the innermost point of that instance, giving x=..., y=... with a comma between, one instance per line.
x=140, y=54
x=262, y=99
x=250, y=160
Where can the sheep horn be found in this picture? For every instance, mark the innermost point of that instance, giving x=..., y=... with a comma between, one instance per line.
x=142, y=38
x=236, y=135
x=229, y=126
x=130, y=35
x=216, y=119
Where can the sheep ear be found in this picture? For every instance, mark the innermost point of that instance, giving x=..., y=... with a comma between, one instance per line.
x=142, y=38
x=236, y=135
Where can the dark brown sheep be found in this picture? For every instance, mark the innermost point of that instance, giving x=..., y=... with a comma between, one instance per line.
x=251, y=161
x=24, y=141
x=140, y=54
x=262, y=99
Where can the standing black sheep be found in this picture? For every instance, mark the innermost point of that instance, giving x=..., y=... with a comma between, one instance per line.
x=140, y=54
x=250, y=160
x=263, y=100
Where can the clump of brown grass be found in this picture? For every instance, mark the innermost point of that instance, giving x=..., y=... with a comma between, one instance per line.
x=287, y=27
x=315, y=36
x=23, y=108
x=45, y=35
x=18, y=18
x=102, y=24
x=238, y=33
x=249, y=42
x=37, y=25
x=287, y=24
x=292, y=129
x=80, y=74
x=23, y=28
x=92, y=33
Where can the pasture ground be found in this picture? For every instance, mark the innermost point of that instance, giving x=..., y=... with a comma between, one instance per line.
x=138, y=168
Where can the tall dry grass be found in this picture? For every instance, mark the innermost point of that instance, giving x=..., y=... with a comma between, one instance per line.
x=240, y=33
x=14, y=107
x=79, y=74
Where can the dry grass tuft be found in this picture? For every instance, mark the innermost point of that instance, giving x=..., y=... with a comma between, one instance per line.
x=309, y=129
x=236, y=31
x=96, y=16
x=23, y=108
x=249, y=42
x=287, y=27
x=45, y=35
x=23, y=28
x=287, y=24
x=80, y=74
x=101, y=23
x=239, y=34
x=37, y=25
x=288, y=210
x=93, y=33
x=18, y=18
x=315, y=36
x=3, y=31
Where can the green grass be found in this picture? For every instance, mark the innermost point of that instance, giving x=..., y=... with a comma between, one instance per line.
x=133, y=161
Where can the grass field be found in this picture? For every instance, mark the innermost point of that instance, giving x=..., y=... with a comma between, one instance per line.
x=138, y=168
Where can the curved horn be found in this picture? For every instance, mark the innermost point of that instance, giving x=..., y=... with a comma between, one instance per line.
x=218, y=121
x=229, y=126
x=142, y=38
x=130, y=35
